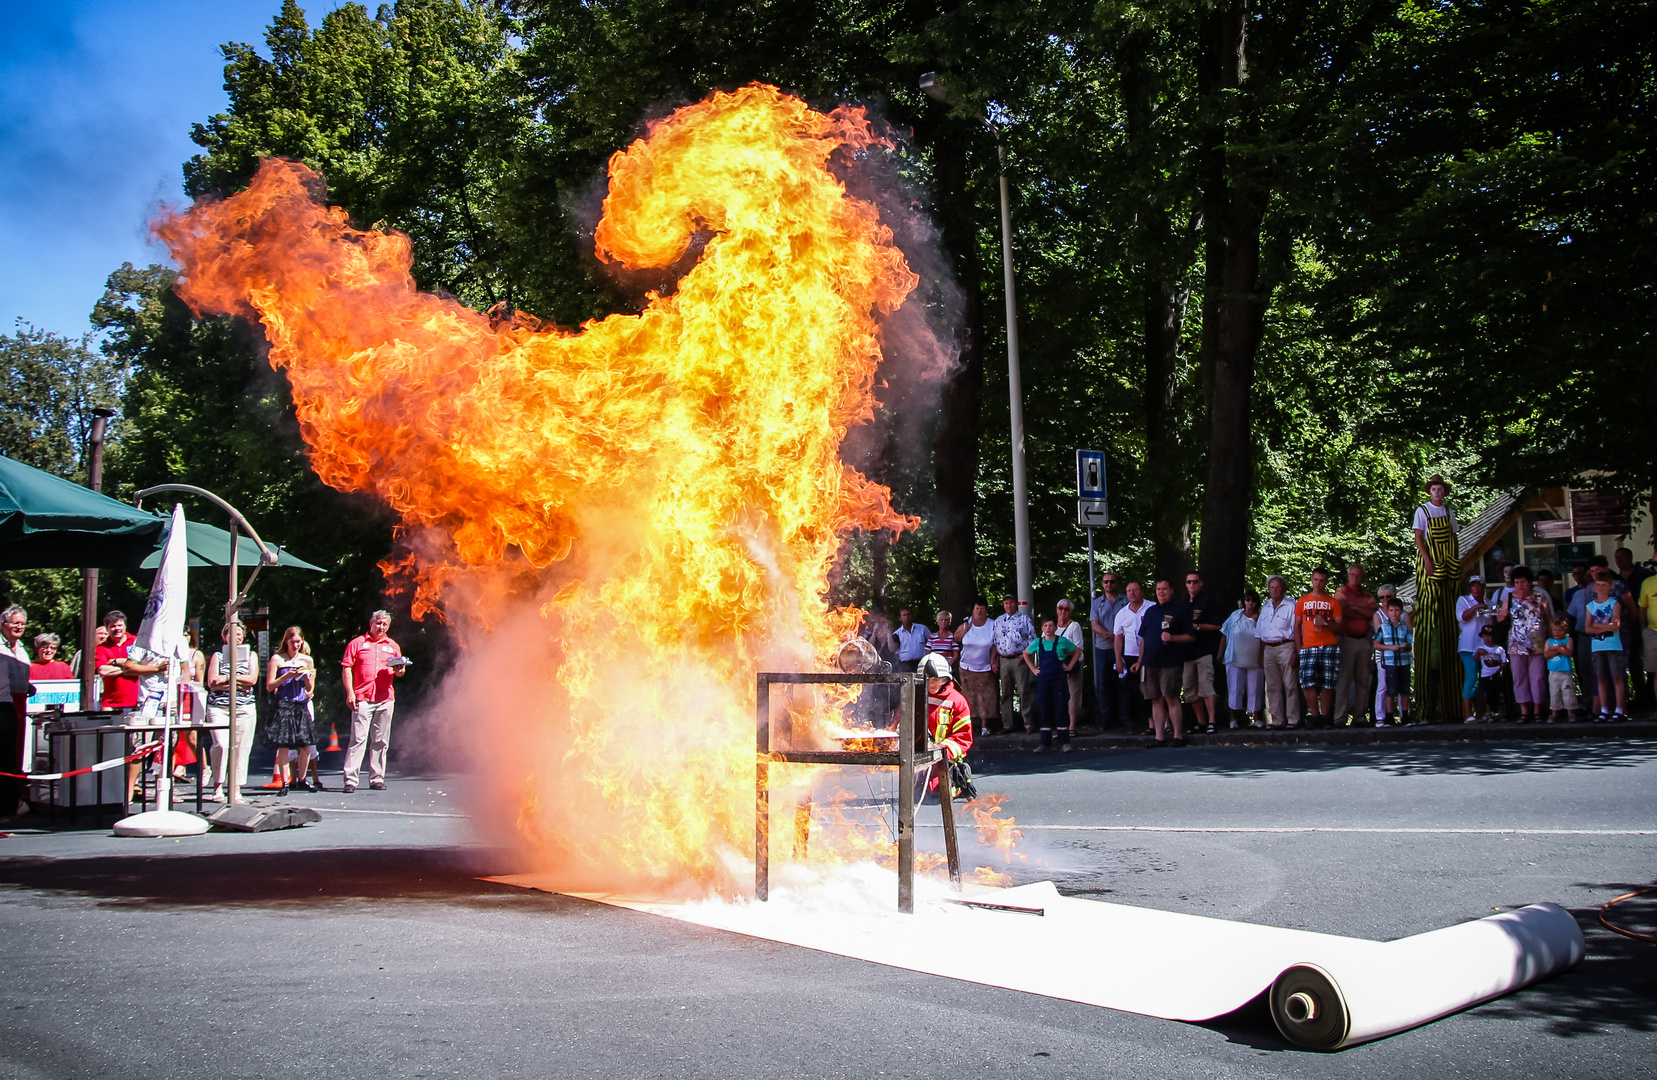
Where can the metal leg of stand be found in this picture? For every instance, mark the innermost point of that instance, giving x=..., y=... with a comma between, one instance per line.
x=762, y=793
x=906, y=805
x=946, y=799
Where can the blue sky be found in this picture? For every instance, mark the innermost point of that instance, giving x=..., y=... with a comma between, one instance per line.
x=96, y=102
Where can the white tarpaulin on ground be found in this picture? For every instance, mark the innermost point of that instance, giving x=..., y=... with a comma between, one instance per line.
x=1327, y=991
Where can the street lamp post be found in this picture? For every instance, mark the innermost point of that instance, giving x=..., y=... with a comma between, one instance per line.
x=89, y=575
x=934, y=89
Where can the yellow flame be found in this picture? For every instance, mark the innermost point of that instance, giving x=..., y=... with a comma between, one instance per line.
x=628, y=520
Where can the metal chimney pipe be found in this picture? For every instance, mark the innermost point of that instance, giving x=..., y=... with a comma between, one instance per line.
x=89, y=575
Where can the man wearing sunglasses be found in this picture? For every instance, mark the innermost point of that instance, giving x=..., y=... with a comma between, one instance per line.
x=1109, y=691
x=1198, y=675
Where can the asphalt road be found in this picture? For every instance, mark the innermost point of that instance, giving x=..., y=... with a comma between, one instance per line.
x=365, y=946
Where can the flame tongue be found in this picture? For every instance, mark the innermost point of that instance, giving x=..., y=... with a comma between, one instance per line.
x=667, y=486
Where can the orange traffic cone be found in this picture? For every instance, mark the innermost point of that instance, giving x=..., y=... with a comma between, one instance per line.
x=333, y=740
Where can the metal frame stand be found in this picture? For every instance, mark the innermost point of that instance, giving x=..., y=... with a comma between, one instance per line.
x=915, y=750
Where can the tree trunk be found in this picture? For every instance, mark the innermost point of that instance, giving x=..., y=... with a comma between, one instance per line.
x=1163, y=294
x=955, y=452
x=1234, y=306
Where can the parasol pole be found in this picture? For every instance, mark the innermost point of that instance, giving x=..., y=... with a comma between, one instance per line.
x=267, y=557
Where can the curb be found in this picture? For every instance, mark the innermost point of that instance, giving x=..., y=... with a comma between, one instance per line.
x=1349, y=736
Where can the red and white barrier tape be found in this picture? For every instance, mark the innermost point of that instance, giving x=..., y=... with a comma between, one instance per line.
x=142, y=752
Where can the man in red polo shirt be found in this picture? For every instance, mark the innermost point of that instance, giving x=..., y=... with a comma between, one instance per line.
x=371, y=662
x=120, y=685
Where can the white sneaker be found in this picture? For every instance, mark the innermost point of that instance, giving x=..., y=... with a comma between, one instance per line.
x=1234, y=725
x=216, y=796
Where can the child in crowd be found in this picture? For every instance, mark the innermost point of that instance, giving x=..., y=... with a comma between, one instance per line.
x=1244, y=670
x=1051, y=657
x=1604, y=629
x=1562, y=702
x=1492, y=660
x=1393, y=640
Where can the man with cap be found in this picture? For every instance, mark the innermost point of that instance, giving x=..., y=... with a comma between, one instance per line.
x=948, y=717
x=1013, y=633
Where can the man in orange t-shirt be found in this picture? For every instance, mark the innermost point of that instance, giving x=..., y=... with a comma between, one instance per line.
x=1317, y=624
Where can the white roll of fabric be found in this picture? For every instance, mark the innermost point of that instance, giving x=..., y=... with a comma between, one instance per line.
x=1326, y=992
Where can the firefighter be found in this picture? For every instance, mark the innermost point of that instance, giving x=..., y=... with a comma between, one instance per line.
x=949, y=719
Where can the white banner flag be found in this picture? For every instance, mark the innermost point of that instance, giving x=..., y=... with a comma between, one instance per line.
x=161, y=633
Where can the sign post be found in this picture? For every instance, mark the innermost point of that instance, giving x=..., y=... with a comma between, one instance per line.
x=1092, y=509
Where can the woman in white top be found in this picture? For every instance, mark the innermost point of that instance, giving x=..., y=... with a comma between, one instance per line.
x=1245, y=671
x=976, y=639
x=1070, y=629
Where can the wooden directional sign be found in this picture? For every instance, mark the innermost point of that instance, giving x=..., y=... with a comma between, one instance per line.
x=1092, y=513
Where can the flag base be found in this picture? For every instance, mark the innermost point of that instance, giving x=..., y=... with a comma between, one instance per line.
x=161, y=823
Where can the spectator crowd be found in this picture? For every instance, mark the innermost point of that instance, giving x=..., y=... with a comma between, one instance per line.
x=1172, y=661
x=133, y=685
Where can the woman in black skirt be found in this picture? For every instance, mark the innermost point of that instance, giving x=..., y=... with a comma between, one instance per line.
x=292, y=678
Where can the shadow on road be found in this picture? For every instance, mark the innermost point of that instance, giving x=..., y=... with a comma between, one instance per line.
x=1613, y=987
x=1407, y=759
x=278, y=879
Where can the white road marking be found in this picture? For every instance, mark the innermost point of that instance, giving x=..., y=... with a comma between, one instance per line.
x=393, y=813
x=1310, y=829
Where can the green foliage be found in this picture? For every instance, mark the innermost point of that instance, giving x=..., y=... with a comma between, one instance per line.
x=1500, y=257
x=49, y=387
x=418, y=119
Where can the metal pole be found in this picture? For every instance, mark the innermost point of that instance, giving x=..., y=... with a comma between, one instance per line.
x=233, y=791
x=906, y=792
x=89, y=575
x=1092, y=590
x=762, y=791
x=1015, y=394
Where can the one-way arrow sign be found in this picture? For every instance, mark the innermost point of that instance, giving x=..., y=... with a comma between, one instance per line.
x=1092, y=513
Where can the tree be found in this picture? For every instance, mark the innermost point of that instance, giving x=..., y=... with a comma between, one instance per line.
x=50, y=388
x=1500, y=257
x=419, y=122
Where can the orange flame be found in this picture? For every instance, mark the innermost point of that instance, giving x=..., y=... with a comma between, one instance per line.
x=994, y=830
x=629, y=520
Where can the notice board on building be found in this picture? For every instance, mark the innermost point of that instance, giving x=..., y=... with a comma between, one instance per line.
x=1599, y=513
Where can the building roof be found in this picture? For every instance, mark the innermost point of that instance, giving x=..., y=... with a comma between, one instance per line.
x=1472, y=533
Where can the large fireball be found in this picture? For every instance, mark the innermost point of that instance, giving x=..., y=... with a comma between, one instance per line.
x=626, y=521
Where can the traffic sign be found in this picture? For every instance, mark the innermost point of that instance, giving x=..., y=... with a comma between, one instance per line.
x=1092, y=513
x=1090, y=475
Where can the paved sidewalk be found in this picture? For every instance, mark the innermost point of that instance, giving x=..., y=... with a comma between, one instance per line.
x=1118, y=738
